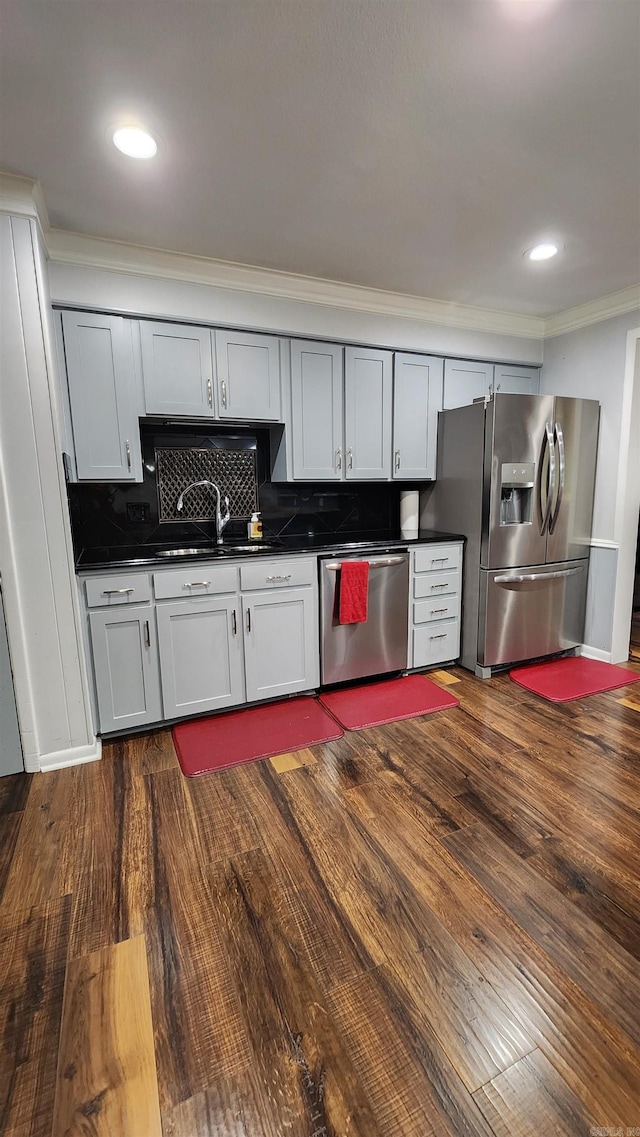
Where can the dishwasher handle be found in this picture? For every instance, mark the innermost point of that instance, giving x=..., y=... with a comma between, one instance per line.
x=382, y=562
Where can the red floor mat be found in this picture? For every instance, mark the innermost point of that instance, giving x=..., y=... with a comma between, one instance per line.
x=560, y=680
x=228, y=739
x=373, y=704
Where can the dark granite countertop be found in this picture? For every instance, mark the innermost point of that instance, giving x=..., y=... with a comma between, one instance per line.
x=131, y=556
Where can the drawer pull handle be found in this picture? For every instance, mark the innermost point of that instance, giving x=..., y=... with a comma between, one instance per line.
x=434, y=586
x=147, y=633
x=442, y=636
x=116, y=591
x=437, y=611
x=438, y=560
x=288, y=577
x=234, y=622
x=197, y=584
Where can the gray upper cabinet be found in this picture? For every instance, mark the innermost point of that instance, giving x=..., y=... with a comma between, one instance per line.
x=177, y=370
x=102, y=395
x=516, y=380
x=417, y=398
x=248, y=376
x=317, y=411
x=466, y=380
x=368, y=381
x=125, y=662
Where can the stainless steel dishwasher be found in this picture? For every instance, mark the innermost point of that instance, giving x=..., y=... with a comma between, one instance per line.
x=351, y=651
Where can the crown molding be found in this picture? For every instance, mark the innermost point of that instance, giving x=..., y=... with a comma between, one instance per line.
x=115, y=256
x=23, y=197
x=604, y=308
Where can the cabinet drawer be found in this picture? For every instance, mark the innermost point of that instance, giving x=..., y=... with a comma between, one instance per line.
x=436, y=584
x=434, y=558
x=426, y=611
x=435, y=643
x=132, y=588
x=198, y=580
x=277, y=574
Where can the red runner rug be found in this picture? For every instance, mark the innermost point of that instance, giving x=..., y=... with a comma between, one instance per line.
x=373, y=704
x=228, y=739
x=574, y=677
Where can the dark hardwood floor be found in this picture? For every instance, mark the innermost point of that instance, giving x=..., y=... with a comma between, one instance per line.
x=431, y=927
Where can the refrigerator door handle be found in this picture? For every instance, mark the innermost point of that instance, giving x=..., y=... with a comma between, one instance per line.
x=548, y=444
x=522, y=577
x=559, y=436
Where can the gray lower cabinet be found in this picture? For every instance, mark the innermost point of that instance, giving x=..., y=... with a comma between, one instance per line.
x=98, y=352
x=280, y=642
x=200, y=655
x=434, y=604
x=125, y=663
x=417, y=398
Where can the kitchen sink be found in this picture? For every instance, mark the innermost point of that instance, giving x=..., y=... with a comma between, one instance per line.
x=213, y=550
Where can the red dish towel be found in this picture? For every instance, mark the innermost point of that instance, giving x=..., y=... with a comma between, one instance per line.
x=354, y=592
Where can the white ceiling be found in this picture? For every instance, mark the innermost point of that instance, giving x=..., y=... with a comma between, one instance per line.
x=419, y=146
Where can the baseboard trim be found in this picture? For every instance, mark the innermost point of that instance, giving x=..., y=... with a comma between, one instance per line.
x=595, y=653
x=74, y=756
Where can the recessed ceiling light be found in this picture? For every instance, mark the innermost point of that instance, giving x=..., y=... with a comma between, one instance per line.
x=541, y=252
x=135, y=142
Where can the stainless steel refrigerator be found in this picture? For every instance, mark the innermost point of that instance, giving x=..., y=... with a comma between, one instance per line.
x=516, y=476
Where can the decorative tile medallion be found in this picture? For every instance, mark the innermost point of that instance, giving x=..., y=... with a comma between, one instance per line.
x=233, y=471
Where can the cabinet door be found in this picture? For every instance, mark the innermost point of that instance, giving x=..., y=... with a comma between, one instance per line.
x=200, y=655
x=417, y=398
x=281, y=642
x=125, y=663
x=176, y=369
x=516, y=380
x=464, y=381
x=99, y=356
x=316, y=408
x=248, y=376
x=368, y=395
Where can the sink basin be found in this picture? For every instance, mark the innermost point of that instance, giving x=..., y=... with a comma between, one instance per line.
x=186, y=552
x=213, y=550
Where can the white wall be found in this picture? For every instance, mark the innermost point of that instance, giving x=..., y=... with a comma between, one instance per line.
x=594, y=363
x=590, y=364
x=90, y=287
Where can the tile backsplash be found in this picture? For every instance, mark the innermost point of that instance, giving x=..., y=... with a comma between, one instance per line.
x=106, y=514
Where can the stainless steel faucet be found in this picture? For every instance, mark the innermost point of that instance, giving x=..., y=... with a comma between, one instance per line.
x=220, y=520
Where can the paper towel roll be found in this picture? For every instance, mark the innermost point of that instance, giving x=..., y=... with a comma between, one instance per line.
x=409, y=512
